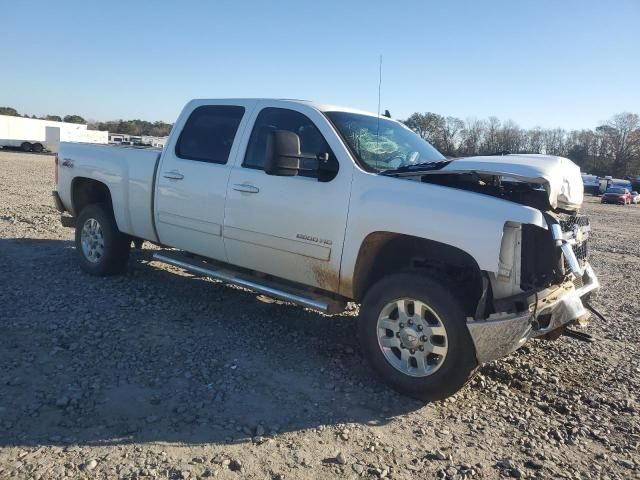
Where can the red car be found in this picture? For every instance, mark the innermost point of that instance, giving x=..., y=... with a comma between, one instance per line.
x=616, y=195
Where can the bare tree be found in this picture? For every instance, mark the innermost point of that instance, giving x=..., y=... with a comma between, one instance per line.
x=623, y=134
x=450, y=135
x=472, y=136
x=491, y=138
x=534, y=140
x=510, y=137
x=610, y=149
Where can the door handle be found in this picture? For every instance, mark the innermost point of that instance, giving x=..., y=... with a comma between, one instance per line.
x=245, y=187
x=173, y=175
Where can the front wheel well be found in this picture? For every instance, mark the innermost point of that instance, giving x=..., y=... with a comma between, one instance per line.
x=386, y=253
x=85, y=191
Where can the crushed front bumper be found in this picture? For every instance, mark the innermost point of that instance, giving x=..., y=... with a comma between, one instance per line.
x=549, y=309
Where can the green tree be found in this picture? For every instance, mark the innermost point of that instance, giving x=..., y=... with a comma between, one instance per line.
x=74, y=119
x=429, y=126
x=12, y=112
x=134, y=127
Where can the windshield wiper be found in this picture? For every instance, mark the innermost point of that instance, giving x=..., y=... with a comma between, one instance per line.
x=417, y=167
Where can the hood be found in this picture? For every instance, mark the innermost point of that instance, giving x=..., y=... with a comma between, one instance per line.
x=559, y=176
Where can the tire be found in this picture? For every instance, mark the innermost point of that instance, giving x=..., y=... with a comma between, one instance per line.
x=37, y=148
x=102, y=250
x=25, y=146
x=448, y=372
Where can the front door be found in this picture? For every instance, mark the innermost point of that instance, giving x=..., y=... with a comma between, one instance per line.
x=290, y=227
x=193, y=176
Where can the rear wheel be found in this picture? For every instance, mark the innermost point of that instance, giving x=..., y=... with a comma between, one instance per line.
x=25, y=146
x=102, y=249
x=414, y=334
x=37, y=148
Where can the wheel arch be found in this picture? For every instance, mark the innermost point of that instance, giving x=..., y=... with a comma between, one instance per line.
x=85, y=191
x=383, y=253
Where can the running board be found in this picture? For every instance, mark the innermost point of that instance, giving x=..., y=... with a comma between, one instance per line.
x=322, y=303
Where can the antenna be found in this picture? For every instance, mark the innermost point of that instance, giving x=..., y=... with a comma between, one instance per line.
x=379, y=84
x=379, y=96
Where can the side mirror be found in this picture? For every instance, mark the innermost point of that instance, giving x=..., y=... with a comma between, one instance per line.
x=283, y=156
x=282, y=153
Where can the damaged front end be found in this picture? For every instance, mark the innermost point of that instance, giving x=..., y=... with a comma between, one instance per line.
x=542, y=284
x=543, y=278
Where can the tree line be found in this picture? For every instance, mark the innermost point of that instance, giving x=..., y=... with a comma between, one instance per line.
x=127, y=127
x=134, y=127
x=12, y=112
x=612, y=148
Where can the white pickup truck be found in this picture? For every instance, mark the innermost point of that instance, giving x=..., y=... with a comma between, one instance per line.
x=455, y=262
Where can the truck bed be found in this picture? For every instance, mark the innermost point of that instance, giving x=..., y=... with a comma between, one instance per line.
x=127, y=171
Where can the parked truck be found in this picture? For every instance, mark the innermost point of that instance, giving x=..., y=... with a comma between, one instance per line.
x=454, y=262
x=34, y=135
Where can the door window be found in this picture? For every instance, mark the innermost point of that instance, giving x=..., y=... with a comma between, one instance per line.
x=208, y=134
x=311, y=140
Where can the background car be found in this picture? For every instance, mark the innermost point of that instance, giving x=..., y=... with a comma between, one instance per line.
x=616, y=195
x=635, y=197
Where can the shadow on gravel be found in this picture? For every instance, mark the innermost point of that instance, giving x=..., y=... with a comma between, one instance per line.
x=162, y=356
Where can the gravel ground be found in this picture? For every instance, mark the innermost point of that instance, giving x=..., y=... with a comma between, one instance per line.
x=154, y=375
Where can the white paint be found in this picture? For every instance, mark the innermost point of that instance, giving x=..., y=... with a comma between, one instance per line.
x=298, y=228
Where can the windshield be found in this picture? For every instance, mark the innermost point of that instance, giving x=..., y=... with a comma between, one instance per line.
x=380, y=144
x=620, y=191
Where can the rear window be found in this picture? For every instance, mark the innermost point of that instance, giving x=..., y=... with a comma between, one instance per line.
x=209, y=132
x=620, y=191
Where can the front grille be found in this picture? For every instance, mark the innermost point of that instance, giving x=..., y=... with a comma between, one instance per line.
x=579, y=229
x=577, y=282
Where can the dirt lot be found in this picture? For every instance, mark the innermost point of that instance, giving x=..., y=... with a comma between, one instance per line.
x=160, y=374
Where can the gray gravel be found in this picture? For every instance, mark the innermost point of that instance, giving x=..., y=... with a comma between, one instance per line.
x=159, y=374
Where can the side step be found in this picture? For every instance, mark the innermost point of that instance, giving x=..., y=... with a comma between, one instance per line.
x=288, y=293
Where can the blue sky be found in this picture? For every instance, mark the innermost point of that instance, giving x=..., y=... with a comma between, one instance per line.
x=550, y=63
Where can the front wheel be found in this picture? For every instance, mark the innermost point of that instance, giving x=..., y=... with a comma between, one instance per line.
x=102, y=249
x=414, y=334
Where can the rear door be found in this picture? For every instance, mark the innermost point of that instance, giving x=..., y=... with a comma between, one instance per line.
x=193, y=174
x=290, y=227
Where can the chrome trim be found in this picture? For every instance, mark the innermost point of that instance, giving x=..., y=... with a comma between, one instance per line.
x=499, y=335
x=569, y=306
x=569, y=254
x=565, y=246
x=503, y=333
x=229, y=277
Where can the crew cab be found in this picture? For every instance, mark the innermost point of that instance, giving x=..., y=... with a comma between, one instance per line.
x=454, y=262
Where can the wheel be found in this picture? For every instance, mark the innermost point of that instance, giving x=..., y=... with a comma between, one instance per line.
x=414, y=334
x=101, y=248
x=37, y=147
x=25, y=146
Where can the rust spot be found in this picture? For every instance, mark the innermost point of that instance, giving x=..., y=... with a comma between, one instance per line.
x=326, y=278
x=346, y=287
